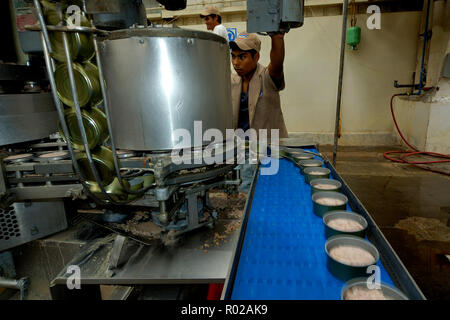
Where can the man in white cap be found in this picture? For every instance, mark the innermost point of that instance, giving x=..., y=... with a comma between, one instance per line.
x=213, y=21
x=255, y=88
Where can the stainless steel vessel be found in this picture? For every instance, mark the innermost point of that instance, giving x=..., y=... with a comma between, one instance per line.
x=162, y=79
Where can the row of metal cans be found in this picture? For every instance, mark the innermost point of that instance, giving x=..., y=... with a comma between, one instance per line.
x=349, y=254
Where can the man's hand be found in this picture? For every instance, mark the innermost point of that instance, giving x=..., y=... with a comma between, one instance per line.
x=276, y=57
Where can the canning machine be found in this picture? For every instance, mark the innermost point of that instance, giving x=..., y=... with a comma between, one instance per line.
x=105, y=115
x=98, y=124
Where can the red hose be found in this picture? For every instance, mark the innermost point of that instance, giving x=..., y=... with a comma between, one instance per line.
x=414, y=151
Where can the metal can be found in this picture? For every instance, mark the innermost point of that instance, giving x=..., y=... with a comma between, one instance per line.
x=312, y=173
x=103, y=162
x=390, y=292
x=57, y=44
x=114, y=190
x=86, y=81
x=50, y=12
x=81, y=45
x=325, y=201
x=342, y=214
x=309, y=163
x=95, y=125
x=330, y=185
x=345, y=271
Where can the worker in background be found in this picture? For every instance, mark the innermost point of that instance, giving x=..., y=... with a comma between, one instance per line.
x=213, y=21
x=255, y=88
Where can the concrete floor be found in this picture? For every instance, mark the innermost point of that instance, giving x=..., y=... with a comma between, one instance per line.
x=411, y=207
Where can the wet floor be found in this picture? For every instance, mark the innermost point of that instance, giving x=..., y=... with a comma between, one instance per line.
x=411, y=207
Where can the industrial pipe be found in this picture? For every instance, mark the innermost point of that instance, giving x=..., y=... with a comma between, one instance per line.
x=42, y=22
x=425, y=40
x=341, y=73
x=21, y=284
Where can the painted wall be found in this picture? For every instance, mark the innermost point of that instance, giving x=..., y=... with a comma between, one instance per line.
x=425, y=121
x=438, y=135
x=311, y=71
x=413, y=118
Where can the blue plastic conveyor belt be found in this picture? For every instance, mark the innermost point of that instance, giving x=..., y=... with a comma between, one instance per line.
x=283, y=253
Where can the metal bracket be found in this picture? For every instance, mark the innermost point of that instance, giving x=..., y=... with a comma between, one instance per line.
x=192, y=210
x=163, y=194
x=396, y=85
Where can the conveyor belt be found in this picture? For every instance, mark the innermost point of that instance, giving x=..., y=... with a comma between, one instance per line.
x=281, y=248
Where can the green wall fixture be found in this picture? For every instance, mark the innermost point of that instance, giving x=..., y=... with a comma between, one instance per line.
x=353, y=37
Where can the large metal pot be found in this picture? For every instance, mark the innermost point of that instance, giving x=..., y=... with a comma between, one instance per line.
x=162, y=79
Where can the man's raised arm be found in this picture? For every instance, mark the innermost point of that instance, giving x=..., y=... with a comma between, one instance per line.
x=277, y=58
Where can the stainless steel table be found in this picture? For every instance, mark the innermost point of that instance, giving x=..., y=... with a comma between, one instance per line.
x=187, y=262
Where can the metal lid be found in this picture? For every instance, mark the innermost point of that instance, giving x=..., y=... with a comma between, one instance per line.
x=114, y=190
x=86, y=45
x=162, y=32
x=19, y=158
x=104, y=163
x=57, y=44
x=95, y=125
x=53, y=156
x=49, y=9
x=82, y=81
x=92, y=70
x=86, y=80
x=85, y=42
x=81, y=46
x=123, y=154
